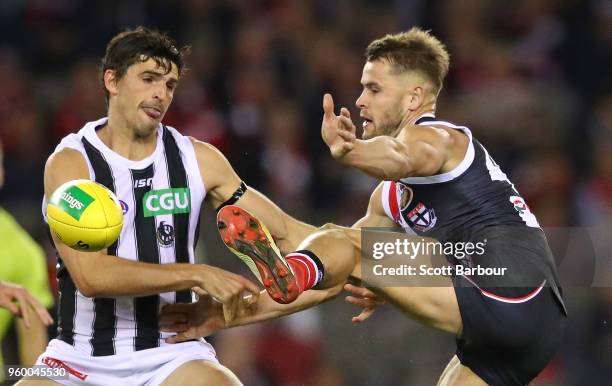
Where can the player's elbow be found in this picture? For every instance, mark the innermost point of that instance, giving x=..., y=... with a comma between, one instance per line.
x=87, y=286
x=87, y=290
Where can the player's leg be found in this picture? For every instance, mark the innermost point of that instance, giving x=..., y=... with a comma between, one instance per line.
x=456, y=374
x=202, y=373
x=36, y=382
x=333, y=252
x=284, y=277
x=450, y=367
x=340, y=250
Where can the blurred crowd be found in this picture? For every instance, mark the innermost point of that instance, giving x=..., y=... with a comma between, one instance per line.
x=531, y=78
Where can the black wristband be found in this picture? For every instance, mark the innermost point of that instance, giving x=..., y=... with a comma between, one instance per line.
x=235, y=196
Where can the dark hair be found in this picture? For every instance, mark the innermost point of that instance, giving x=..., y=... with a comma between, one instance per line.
x=139, y=45
x=414, y=50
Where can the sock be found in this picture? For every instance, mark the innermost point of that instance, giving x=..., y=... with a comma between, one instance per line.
x=306, y=267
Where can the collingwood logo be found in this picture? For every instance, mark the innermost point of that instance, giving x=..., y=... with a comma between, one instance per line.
x=165, y=234
x=166, y=201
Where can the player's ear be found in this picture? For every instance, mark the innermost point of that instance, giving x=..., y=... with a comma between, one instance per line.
x=110, y=81
x=414, y=98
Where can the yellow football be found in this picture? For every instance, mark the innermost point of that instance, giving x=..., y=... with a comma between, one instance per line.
x=85, y=215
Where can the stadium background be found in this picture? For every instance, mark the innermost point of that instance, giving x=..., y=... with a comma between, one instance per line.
x=532, y=78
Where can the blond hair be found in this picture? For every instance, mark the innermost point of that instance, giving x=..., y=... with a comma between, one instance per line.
x=413, y=50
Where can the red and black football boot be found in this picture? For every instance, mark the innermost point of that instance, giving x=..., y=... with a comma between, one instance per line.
x=250, y=240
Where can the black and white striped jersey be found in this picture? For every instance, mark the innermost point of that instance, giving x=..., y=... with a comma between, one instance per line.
x=161, y=197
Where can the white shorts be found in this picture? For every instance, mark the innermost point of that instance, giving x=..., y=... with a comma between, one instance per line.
x=143, y=368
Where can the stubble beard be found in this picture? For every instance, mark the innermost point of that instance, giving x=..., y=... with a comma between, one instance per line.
x=144, y=131
x=390, y=125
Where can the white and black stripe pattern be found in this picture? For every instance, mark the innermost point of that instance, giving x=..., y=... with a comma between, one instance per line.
x=147, y=250
x=67, y=304
x=177, y=176
x=107, y=326
x=102, y=340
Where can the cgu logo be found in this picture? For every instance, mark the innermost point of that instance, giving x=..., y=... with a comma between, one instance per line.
x=143, y=182
x=166, y=201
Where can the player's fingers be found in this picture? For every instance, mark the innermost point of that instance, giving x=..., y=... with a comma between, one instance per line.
x=328, y=106
x=347, y=124
x=44, y=316
x=177, y=327
x=200, y=291
x=345, y=112
x=360, y=291
x=356, y=290
x=182, y=337
x=347, y=146
x=365, y=314
x=169, y=323
x=251, y=298
x=346, y=135
x=249, y=285
x=13, y=307
x=24, y=309
x=360, y=302
x=229, y=310
x=40, y=310
x=166, y=319
x=177, y=308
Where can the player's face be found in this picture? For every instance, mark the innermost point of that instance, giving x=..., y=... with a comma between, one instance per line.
x=144, y=94
x=382, y=100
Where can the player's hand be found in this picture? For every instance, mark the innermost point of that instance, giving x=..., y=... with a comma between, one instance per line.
x=338, y=131
x=200, y=319
x=18, y=300
x=364, y=298
x=226, y=287
x=192, y=320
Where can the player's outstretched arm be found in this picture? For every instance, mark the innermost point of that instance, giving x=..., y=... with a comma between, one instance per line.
x=417, y=151
x=203, y=318
x=221, y=183
x=191, y=321
x=97, y=274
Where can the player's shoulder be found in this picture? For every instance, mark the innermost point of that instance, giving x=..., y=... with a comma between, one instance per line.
x=64, y=165
x=205, y=152
x=438, y=136
x=442, y=132
x=66, y=157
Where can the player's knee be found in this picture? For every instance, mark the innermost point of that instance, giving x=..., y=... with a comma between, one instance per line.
x=322, y=238
x=332, y=226
x=337, y=235
x=33, y=382
x=328, y=226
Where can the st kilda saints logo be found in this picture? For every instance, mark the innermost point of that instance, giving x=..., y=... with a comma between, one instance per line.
x=420, y=218
x=165, y=234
